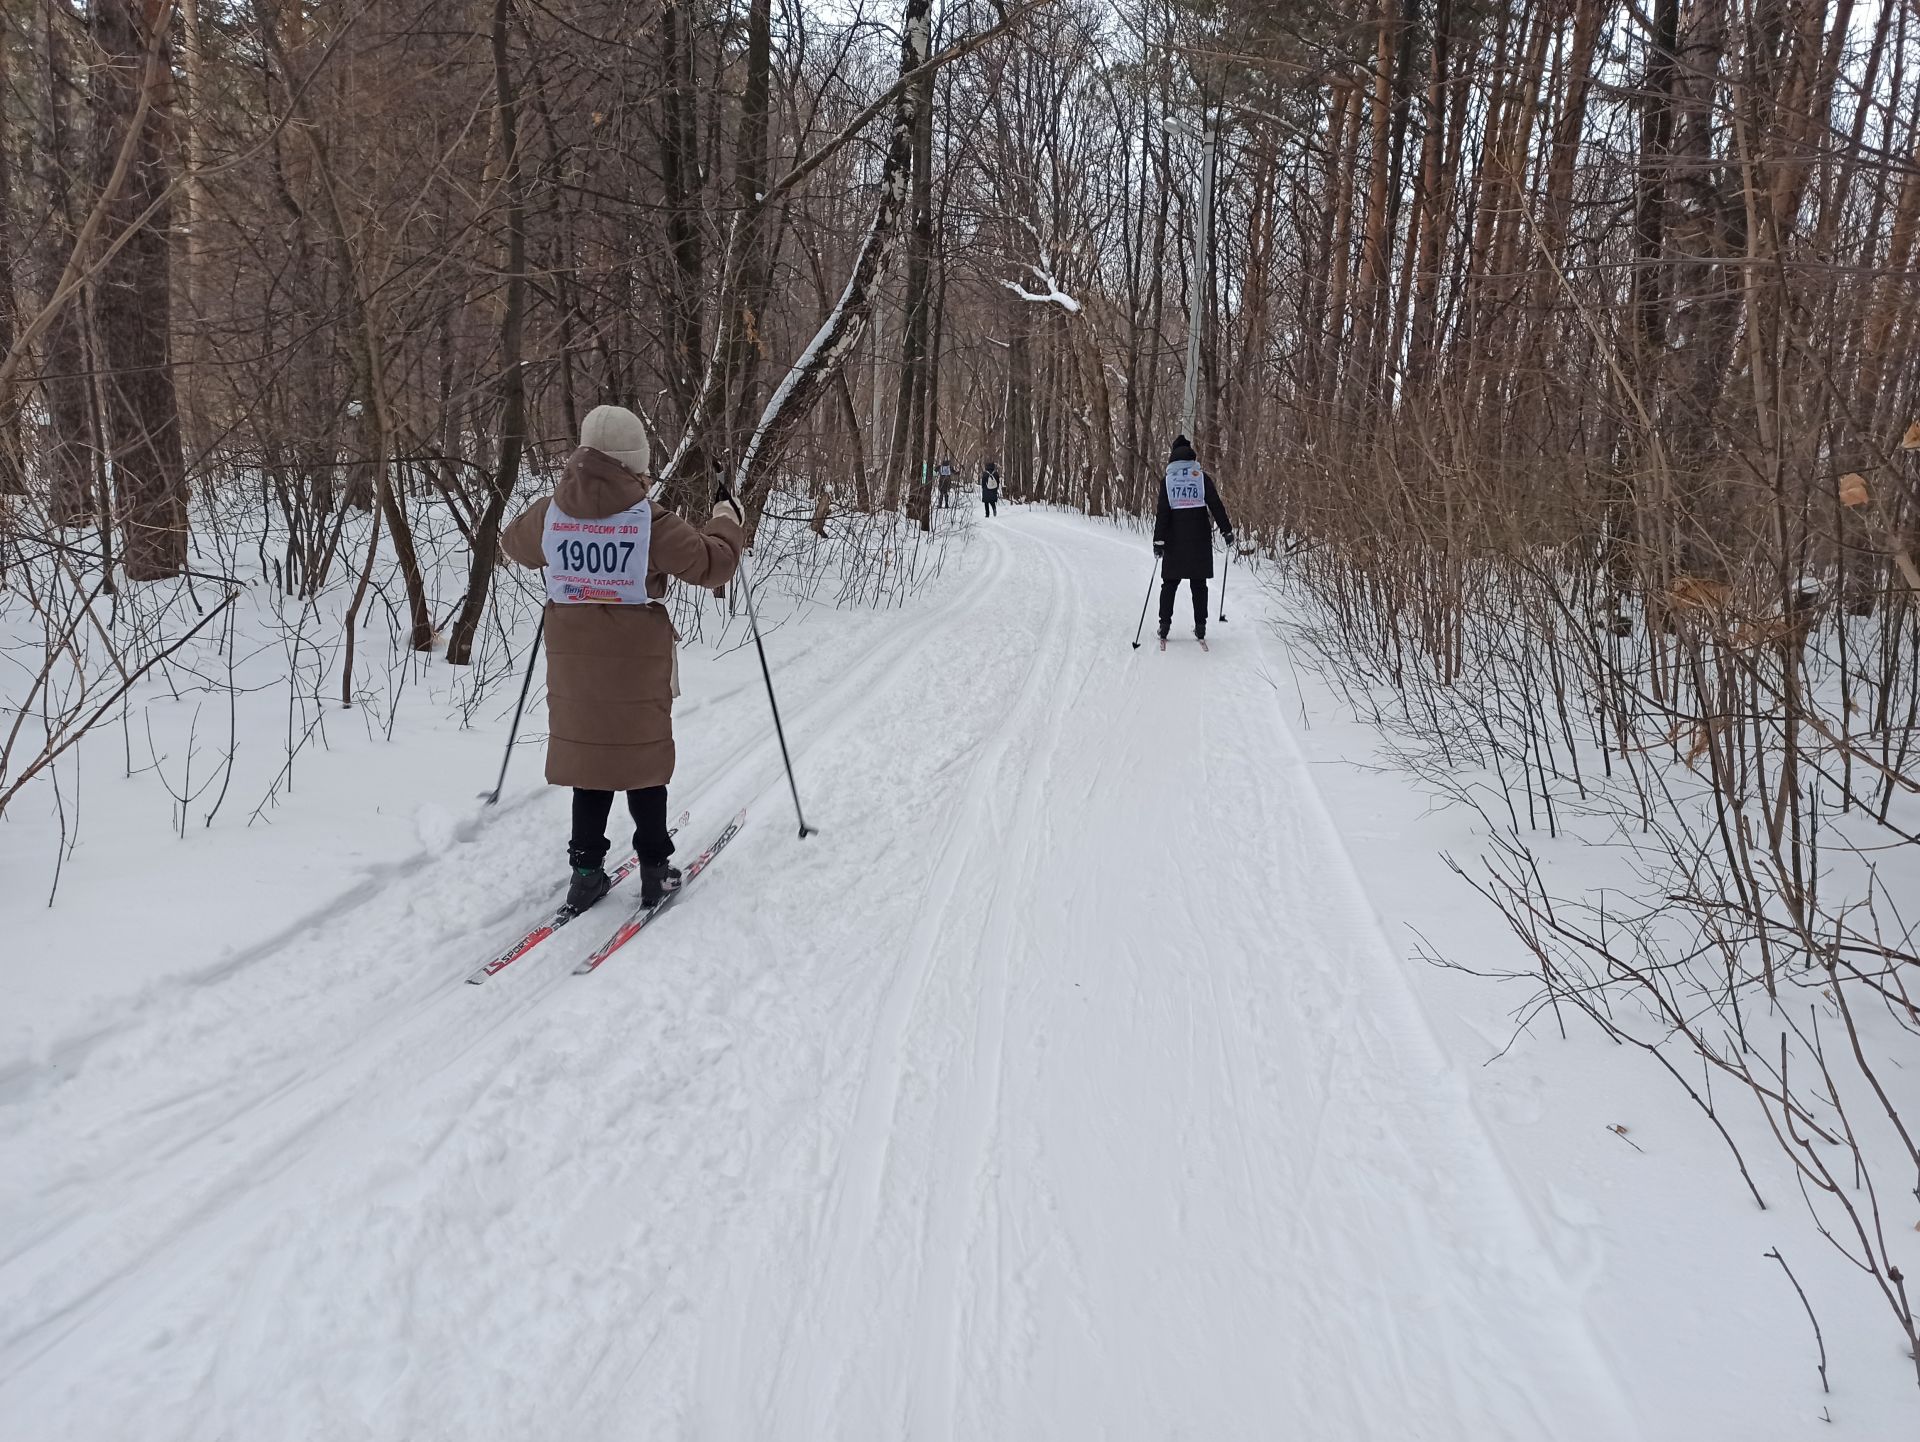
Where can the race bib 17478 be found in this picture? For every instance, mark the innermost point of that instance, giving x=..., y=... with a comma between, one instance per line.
x=599, y=562
x=1186, y=485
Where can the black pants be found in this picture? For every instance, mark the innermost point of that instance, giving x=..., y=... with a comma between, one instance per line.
x=1171, y=584
x=588, y=845
x=993, y=503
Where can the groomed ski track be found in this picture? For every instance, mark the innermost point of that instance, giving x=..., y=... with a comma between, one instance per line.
x=1064, y=1087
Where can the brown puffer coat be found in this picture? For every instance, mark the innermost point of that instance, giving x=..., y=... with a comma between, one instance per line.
x=610, y=668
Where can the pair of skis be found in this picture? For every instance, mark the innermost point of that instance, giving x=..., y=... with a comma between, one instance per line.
x=1201, y=639
x=637, y=920
x=560, y=917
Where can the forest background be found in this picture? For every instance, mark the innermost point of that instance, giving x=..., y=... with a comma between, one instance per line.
x=1556, y=357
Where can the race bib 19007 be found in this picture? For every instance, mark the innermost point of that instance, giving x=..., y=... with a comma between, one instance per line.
x=1186, y=485
x=601, y=562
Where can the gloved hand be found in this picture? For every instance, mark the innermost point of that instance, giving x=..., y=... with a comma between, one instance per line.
x=1159, y=548
x=726, y=509
x=1229, y=536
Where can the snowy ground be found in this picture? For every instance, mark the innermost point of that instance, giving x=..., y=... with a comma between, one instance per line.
x=1069, y=1084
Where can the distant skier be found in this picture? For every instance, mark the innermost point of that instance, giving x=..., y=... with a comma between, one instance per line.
x=1181, y=538
x=946, y=483
x=612, y=671
x=990, y=487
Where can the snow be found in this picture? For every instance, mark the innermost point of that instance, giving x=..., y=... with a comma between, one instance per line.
x=1049, y=294
x=1075, y=1081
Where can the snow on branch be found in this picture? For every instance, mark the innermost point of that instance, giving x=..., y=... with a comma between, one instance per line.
x=1051, y=294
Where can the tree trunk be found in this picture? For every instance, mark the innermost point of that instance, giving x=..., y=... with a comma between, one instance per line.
x=909, y=416
x=1704, y=312
x=1341, y=170
x=193, y=114
x=513, y=395
x=747, y=341
x=13, y=480
x=132, y=293
x=64, y=362
x=680, y=181
x=1375, y=242
x=1017, y=471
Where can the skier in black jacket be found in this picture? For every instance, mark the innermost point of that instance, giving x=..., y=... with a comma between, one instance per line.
x=1180, y=536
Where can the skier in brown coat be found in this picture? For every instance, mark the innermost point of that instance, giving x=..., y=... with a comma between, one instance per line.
x=612, y=674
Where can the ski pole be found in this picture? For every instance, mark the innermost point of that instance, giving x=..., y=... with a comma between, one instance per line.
x=1146, y=603
x=725, y=493
x=785, y=760
x=526, y=685
x=1224, y=575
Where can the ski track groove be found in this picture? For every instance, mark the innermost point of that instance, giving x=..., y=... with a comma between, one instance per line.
x=937, y=897
x=964, y=1192
x=885, y=1064
x=385, y=1033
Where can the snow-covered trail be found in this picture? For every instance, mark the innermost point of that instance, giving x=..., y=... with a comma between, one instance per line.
x=1064, y=1087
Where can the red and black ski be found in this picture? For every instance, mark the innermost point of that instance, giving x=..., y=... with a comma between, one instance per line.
x=642, y=915
x=559, y=919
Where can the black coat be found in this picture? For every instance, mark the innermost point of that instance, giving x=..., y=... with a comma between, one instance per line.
x=1189, y=545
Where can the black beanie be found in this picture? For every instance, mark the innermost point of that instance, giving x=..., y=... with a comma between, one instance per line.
x=1182, y=450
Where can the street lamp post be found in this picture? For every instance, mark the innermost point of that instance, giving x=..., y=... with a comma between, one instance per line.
x=1202, y=267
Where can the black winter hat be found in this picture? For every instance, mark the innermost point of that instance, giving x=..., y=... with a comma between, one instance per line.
x=1182, y=450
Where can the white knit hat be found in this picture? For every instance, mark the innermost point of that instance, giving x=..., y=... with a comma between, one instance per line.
x=617, y=432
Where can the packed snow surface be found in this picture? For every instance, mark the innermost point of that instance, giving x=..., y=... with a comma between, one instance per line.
x=1064, y=1086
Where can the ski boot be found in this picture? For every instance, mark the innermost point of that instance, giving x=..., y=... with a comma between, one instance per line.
x=589, y=884
x=657, y=883
x=1200, y=636
x=1163, y=635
